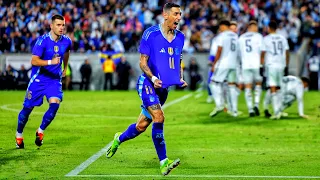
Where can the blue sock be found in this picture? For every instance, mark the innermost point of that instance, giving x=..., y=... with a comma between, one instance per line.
x=23, y=118
x=130, y=133
x=49, y=115
x=158, y=140
x=209, y=91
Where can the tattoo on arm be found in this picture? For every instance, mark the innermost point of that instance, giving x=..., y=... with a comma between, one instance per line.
x=144, y=66
x=155, y=107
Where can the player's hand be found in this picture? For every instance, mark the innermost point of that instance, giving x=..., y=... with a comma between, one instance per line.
x=304, y=116
x=261, y=71
x=185, y=84
x=55, y=60
x=64, y=73
x=157, y=83
x=212, y=69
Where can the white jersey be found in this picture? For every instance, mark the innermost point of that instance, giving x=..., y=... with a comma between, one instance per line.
x=214, y=47
x=228, y=40
x=250, y=47
x=293, y=86
x=276, y=46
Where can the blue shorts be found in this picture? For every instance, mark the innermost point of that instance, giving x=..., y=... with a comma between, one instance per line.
x=36, y=91
x=149, y=95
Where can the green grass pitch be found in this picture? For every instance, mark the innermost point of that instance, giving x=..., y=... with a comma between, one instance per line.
x=219, y=146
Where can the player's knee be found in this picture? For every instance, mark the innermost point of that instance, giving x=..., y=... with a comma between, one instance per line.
x=141, y=127
x=158, y=118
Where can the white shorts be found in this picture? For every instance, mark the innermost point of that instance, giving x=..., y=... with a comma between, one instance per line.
x=288, y=99
x=251, y=75
x=222, y=74
x=240, y=79
x=274, y=76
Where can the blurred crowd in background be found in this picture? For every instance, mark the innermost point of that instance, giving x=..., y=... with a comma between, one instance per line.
x=109, y=25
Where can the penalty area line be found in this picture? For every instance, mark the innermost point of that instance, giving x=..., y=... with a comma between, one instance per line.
x=197, y=176
x=97, y=155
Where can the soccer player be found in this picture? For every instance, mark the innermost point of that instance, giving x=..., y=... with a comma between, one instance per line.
x=276, y=57
x=292, y=89
x=224, y=68
x=213, y=51
x=47, y=56
x=160, y=60
x=251, y=46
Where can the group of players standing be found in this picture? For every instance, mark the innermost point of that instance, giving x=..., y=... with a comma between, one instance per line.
x=244, y=60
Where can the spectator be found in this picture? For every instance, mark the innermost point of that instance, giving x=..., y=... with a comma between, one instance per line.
x=23, y=78
x=108, y=69
x=314, y=69
x=10, y=78
x=194, y=73
x=123, y=71
x=85, y=71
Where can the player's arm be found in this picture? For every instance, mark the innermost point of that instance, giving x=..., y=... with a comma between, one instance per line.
x=145, y=68
x=217, y=58
x=286, y=71
x=37, y=61
x=65, y=62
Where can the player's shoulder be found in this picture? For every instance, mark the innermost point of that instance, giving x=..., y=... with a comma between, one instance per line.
x=66, y=38
x=42, y=38
x=179, y=33
x=151, y=31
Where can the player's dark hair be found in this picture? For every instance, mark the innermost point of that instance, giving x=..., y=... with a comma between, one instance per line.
x=253, y=22
x=306, y=80
x=224, y=22
x=169, y=5
x=233, y=23
x=56, y=16
x=273, y=25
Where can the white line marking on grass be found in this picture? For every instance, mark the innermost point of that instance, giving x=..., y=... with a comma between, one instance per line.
x=6, y=107
x=96, y=156
x=199, y=176
x=198, y=95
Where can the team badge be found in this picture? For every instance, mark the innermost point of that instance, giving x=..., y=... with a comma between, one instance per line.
x=176, y=51
x=29, y=95
x=151, y=98
x=170, y=51
x=56, y=50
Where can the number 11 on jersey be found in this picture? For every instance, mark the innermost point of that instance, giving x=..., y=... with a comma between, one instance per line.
x=171, y=62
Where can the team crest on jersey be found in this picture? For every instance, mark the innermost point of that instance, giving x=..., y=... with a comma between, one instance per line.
x=177, y=51
x=170, y=51
x=151, y=98
x=29, y=95
x=56, y=48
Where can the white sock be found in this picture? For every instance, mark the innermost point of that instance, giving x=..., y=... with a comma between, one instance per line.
x=248, y=95
x=163, y=161
x=275, y=102
x=234, y=97
x=216, y=90
x=40, y=130
x=257, y=94
x=267, y=100
x=18, y=135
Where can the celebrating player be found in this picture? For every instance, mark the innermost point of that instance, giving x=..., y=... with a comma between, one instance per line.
x=276, y=56
x=292, y=89
x=47, y=55
x=160, y=48
x=251, y=46
x=224, y=68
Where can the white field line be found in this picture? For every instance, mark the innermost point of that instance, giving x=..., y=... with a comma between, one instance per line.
x=198, y=176
x=7, y=108
x=96, y=156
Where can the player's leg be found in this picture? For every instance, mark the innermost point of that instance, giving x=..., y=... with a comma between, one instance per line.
x=287, y=102
x=54, y=96
x=248, y=78
x=210, y=98
x=266, y=103
x=132, y=131
x=257, y=90
x=217, y=80
x=34, y=97
x=272, y=83
x=233, y=91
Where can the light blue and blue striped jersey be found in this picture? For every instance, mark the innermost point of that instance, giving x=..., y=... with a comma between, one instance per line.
x=46, y=48
x=164, y=56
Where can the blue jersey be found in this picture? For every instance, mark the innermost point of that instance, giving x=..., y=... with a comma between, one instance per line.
x=164, y=56
x=46, y=48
